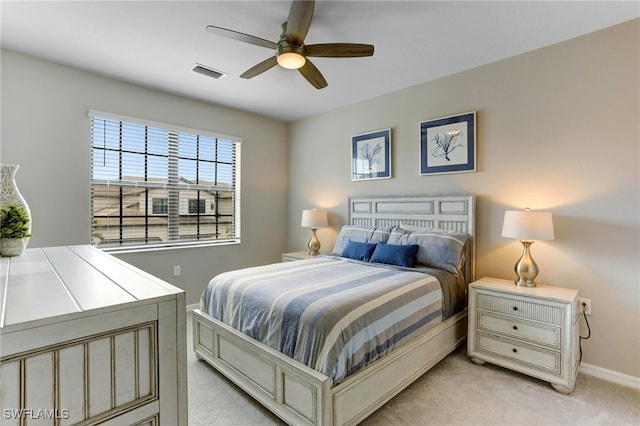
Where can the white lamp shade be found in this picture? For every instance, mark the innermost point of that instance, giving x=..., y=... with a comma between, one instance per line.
x=314, y=218
x=528, y=225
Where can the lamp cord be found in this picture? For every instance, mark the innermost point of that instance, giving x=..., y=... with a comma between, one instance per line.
x=588, y=329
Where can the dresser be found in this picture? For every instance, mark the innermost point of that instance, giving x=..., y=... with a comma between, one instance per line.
x=86, y=338
x=532, y=330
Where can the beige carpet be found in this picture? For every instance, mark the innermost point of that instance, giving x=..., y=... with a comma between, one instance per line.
x=454, y=392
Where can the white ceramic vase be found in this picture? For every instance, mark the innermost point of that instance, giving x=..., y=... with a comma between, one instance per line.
x=9, y=194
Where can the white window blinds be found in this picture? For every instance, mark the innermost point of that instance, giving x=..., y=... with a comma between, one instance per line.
x=156, y=185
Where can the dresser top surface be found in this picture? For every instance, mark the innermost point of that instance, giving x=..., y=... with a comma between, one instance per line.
x=43, y=283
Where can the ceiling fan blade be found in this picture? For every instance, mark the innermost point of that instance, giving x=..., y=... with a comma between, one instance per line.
x=339, y=50
x=313, y=75
x=299, y=21
x=260, y=68
x=235, y=35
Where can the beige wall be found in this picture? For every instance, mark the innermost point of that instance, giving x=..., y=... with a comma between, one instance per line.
x=45, y=129
x=557, y=130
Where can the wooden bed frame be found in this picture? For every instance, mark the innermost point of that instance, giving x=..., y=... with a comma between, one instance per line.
x=300, y=395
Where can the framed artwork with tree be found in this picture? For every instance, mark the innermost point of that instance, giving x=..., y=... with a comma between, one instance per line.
x=371, y=155
x=448, y=144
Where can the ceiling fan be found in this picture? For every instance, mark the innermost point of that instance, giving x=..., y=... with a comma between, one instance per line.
x=291, y=52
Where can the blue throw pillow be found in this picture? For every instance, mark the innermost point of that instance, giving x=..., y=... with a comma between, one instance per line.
x=359, y=251
x=391, y=254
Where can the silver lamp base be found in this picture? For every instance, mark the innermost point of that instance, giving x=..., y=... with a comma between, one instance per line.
x=314, y=244
x=526, y=268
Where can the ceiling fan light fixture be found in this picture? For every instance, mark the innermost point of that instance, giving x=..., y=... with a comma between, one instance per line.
x=291, y=60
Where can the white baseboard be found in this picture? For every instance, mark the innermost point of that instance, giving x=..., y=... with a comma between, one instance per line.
x=610, y=375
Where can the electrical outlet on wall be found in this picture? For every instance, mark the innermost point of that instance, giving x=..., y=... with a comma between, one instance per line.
x=176, y=271
x=584, y=305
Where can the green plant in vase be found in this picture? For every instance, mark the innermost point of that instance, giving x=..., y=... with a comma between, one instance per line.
x=14, y=229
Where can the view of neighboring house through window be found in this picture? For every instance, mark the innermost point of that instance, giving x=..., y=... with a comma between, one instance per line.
x=157, y=185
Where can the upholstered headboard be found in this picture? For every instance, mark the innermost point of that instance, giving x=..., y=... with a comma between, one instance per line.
x=449, y=212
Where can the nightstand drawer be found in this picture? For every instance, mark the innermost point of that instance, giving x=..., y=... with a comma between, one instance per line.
x=520, y=308
x=524, y=355
x=534, y=333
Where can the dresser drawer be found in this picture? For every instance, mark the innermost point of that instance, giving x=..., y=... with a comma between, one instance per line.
x=535, y=333
x=522, y=354
x=520, y=308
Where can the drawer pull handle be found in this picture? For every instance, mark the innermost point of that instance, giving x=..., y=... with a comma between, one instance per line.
x=514, y=350
x=515, y=308
x=515, y=327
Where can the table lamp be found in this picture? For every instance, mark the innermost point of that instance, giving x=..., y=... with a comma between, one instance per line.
x=314, y=219
x=527, y=226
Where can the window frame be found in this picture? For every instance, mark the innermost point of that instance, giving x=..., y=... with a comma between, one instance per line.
x=171, y=129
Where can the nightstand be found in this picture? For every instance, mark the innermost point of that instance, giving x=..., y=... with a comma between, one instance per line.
x=532, y=330
x=296, y=255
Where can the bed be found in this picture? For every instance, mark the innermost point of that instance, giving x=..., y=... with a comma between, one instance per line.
x=316, y=387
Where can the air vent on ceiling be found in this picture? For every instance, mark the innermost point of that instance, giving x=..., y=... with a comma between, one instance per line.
x=210, y=72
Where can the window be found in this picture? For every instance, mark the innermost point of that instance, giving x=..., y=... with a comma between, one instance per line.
x=160, y=206
x=196, y=206
x=156, y=185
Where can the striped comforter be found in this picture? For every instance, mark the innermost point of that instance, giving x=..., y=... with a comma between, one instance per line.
x=331, y=314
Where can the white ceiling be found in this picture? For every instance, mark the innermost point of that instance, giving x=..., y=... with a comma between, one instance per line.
x=157, y=43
